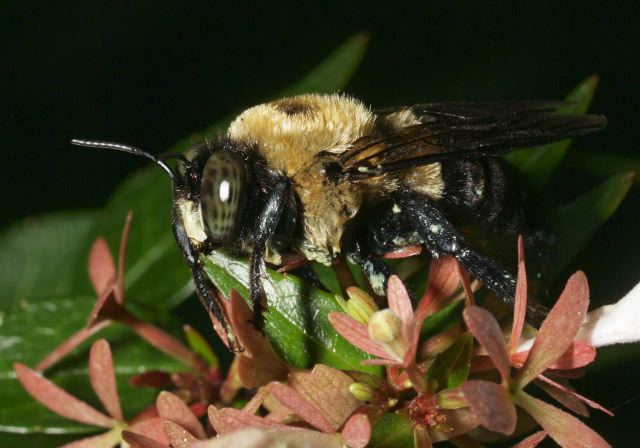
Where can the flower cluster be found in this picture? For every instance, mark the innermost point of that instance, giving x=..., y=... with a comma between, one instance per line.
x=451, y=371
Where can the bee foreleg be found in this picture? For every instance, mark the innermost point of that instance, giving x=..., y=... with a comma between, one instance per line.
x=265, y=227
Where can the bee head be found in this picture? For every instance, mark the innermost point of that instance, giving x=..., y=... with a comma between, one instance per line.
x=215, y=179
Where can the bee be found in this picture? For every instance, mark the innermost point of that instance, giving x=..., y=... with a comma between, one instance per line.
x=327, y=177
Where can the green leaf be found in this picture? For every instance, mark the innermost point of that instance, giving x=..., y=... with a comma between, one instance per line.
x=156, y=275
x=538, y=164
x=394, y=430
x=604, y=164
x=575, y=223
x=296, y=320
x=451, y=367
x=46, y=298
x=45, y=256
x=442, y=320
x=31, y=328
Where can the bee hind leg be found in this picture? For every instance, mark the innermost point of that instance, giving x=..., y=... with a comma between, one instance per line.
x=442, y=238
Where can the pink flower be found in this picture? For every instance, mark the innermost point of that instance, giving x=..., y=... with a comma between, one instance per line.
x=103, y=381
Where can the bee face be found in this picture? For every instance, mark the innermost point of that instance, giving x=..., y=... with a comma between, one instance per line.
x=223, y=195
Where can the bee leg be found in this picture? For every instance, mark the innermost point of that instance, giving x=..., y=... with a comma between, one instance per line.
x=204, y=287
x=442, y=238
x=376, y=271
x=265, y=227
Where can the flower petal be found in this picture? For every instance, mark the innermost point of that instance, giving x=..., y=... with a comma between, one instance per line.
x=443, y=282
x=59, y=401
x=357, y=431
x=151, y=428
x=161, y=340
x=105, y=440
x=486, y=330
x=177, y=435
x=140, y=441
x=172, y=408
x=532, y=441
x=328, y=390
x=562, y=427
x=121, y=258
x=406, y=252
x=356, y=333
x=67, y=346
x=613, y=324
x=399, y=301
x=270, y=438
x=520, y=306
x=303, y=408
x=491, y=404
x=229, y=419
x=103, y=378
x=558, y=330
x=102, y=270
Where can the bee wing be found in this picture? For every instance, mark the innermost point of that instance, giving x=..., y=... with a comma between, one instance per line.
x=460, y=130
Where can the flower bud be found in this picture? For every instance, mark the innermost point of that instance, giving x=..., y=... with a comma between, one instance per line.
x=361, y=391
x=385, y=327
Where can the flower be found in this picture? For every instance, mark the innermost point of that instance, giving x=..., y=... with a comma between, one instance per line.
x=110, y=305
x=493, y=403
x=103, y=381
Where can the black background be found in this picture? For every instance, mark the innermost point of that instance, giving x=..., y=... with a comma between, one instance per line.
x=149, y=73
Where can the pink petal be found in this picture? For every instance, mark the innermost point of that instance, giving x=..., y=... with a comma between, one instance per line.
x=172, y=408
x=270, y=438
x=575, y=394
x=532, y=441
x=491, y=404
x=564, y=428
x=105, y=308
x=258, y=364
x=229, y=419
x=487, y=331
x=151, y=428
x=161, y=340
x=558, y=330
x=59, y=401
x=563, y=397
x=328, y=390
x=140, y=441
x=466, y=286
x=520, y=306
x=103, y=378
x=399, y=301
x=356, y=333
x=443, y=282
x=578, y=355
x=105, y=440
x=67, y=346
x=102, y=270
x=300, y=406
x=121, y=258
x=177, y=435
x=151, y=378
x=357, y=431
x=421, y=438
x=406, y=252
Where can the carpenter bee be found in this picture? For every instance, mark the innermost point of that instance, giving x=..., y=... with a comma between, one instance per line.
x=326, y=177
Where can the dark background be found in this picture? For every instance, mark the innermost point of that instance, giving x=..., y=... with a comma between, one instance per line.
x=149, y=73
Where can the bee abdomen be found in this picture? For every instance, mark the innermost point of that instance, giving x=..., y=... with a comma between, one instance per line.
x=486, y=192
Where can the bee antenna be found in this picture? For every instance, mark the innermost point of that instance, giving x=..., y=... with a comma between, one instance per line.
x=126, y=148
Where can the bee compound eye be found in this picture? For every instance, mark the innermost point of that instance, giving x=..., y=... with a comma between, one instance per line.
x=223, y=195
